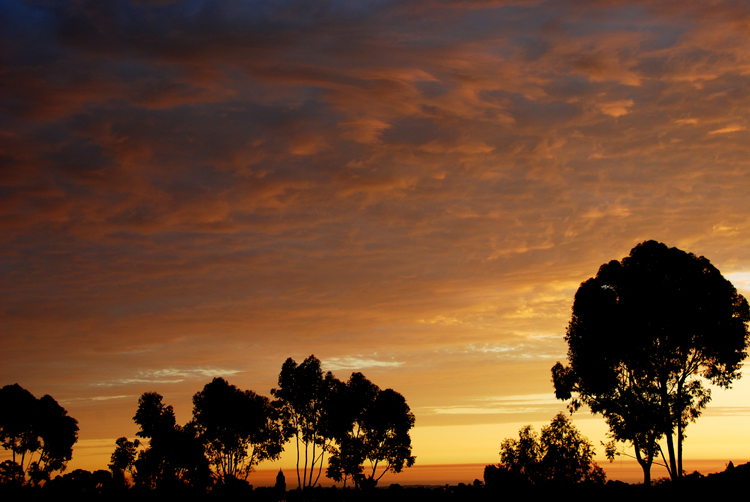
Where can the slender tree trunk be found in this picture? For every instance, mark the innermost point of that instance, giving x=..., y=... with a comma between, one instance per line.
x=679, y=428
x=299, y=482
x=679, y=448
x=672, y=462
x=666, y=463
x=305, y=472
x=670, y=440
x=312, y=465
x=320, y=468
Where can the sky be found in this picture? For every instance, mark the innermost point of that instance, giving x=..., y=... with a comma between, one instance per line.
x=410, y=189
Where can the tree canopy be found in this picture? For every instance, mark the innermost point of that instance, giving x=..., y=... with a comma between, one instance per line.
x=39, y=433
x=644, y=333
x=561, y=455
x=302, y=400
x=373, y=427
x=356, y=422
x=175, y=454
x=238, y=428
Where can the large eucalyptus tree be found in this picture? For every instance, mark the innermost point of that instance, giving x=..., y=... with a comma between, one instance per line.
x=645, y=334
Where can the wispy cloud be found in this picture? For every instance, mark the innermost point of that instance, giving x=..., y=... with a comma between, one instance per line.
x=532, y=403
x=93, y=399
x=357, y=363
x=167, y=376
x=728, y=129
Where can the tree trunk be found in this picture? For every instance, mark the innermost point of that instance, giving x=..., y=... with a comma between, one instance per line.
x=304, y=477
x=299, y=481
x=646, y=466
x=679, y=449
x=670, y=441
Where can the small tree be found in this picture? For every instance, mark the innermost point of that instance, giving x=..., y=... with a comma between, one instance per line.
x=561, y=455
x=239, y=428
x=521, y=457
x=123, y=458
x=39, y=433
x=568, y=456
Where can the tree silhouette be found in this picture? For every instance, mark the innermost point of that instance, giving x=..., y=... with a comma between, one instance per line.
x=561, y=455
x=302, y=400
x=642, y=333
x=82, y=484
x=370, y=425
x=123, y=458
x=521, y=457
x=386, y=425
x=348, y=403
x=175, y=455
x=568, y=456
x=355, y=422
x=39, y=433
x=239, y=428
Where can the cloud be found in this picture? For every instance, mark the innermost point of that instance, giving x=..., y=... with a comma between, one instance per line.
x=740, y=280
x=357, y=363
x=728, y=129
x=525, y=404
x=167, y=376
x=616, y=108
x=93, y=399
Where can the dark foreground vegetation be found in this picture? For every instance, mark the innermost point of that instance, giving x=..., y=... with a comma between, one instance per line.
x=362, y=432
x=100, y=485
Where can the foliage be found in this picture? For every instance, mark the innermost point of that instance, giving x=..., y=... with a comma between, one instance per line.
x=642, y=334
x=370, y=426
x=356, y=422
x=386, y=439
x=522, y=456
x=561, y=455
x=82, y=483
x=175, y=454
x=239, y=428
x=348, y=403
x=124, y=456
x=302, y=399
x=39, y=433
x=568, y=456
x=10, y=473
x=385, y=426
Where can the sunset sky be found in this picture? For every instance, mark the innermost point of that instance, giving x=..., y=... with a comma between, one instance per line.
x=410, y=189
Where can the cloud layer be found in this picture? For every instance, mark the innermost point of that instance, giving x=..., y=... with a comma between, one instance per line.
x=411, y=189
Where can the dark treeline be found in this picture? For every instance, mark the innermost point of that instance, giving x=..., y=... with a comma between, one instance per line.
x=100, y=485
x=362, y=432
